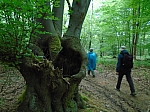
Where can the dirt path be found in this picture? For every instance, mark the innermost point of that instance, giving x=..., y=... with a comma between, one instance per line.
x=106, y=99
x=99, y=92
x=11, y=87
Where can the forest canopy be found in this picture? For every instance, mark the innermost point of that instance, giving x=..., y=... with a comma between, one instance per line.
x=112, y=23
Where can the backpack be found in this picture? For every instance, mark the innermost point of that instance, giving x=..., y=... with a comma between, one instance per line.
x=127, y=61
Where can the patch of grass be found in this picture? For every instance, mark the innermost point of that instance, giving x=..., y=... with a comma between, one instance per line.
x=142, y=63
x=110, y=64
x=87, y=94
x=2, y=100
x=92, y=104
x=21, y=97
x=107, y=61
x=84, y=97
x=147, y=76
x=100, y=70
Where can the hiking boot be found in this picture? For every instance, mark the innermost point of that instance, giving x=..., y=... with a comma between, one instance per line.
x=117, y=89
x=93, y=76
x=133, y=94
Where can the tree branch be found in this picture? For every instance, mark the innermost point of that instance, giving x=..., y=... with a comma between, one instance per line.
x=77, y=17
x=58, y=14
x=69, y=4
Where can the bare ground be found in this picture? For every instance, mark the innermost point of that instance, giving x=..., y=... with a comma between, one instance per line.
x=102, y=96
x=11, y=87
x=98, y=93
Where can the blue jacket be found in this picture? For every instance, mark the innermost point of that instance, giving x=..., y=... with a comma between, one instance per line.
x=91, y=61
x=120, y=56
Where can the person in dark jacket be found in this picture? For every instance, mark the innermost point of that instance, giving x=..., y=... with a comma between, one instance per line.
x=120, y=71
x=91, y=62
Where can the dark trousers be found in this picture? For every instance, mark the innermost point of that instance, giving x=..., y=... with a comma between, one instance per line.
x=129, y=79
x=92, y=71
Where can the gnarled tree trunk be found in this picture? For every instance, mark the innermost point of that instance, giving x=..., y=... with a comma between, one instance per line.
x=52, y=82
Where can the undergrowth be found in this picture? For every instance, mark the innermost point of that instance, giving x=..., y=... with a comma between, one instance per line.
x=110, y=64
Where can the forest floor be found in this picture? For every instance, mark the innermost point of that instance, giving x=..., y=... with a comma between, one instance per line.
x=99, y=93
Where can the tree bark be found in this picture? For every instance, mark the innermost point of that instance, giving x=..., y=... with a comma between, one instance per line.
x=47, y=89
x=37, y=97
x=52, y=83
x=72, y=59
x=136, y=27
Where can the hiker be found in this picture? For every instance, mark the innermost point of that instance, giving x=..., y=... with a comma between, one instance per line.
x=121, y=71
x=91, y=62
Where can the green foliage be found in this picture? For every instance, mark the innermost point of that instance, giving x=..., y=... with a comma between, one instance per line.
x=14, y=34
x=111, y=24
x=84, y=98
x=70, y=12
x=77, y=0
x=18, y=25
x=147, y=76
x=110, y=64
x=21, y=97
x=142, y=63
x=107, y=62
x=56, y=3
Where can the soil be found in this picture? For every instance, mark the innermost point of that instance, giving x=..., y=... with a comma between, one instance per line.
x=99, y=93
x=11, y=87
x=101, y=96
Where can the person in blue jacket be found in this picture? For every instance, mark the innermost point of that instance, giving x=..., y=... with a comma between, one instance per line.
x=120, y=71
x=91, y=62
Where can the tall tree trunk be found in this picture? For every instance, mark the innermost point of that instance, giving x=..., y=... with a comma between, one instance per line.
x=133, y=30
x=136, y=27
